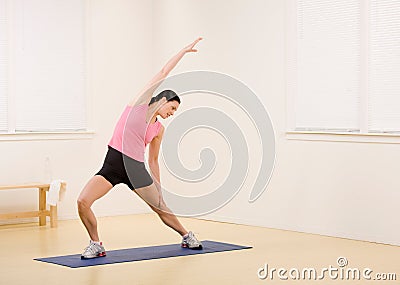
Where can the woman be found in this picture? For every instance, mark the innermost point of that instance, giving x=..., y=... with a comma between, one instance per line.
x=124, y=162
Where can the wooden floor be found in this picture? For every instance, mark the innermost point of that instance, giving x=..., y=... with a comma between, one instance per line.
x=20, y=244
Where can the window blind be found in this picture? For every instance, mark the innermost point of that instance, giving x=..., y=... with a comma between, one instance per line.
x=327, y=92
x=3, y=66
x=49, y=65
x=384, y=63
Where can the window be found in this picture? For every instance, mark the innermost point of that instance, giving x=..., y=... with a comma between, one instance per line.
x=344, y=66
x=3, y=66
x=384, y=66
x=42, y=66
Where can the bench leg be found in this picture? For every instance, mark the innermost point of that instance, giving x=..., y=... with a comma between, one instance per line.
x=42, y=206
x=53, y=216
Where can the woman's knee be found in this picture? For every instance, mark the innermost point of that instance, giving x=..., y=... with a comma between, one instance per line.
x=161, y=210
x=96, y=188
x=83, y=204
x=155, y=209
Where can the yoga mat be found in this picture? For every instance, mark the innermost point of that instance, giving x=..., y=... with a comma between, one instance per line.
x=140, y=253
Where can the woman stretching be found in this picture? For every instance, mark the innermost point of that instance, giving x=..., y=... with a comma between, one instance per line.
x=124, y=161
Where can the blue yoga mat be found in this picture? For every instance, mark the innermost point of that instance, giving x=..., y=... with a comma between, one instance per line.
x=140, y=253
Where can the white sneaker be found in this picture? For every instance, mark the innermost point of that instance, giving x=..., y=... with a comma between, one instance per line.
x=93, y=250
x=190, y=241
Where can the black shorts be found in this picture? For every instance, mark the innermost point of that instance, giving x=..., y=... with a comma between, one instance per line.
x=119, y=168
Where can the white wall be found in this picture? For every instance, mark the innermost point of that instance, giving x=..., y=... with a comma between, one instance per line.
x=331, y=188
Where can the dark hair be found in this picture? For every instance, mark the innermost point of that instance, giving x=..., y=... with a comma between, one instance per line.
x=168, y=94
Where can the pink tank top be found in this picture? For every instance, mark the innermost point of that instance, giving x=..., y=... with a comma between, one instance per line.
x=132, y=133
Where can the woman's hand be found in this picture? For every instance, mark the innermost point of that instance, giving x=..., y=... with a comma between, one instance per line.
x=190, y=47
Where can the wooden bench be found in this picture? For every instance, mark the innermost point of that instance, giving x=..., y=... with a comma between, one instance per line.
x=42, y=213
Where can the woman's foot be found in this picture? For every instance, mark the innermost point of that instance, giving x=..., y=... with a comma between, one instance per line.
x=190, y=241
x=94, y=249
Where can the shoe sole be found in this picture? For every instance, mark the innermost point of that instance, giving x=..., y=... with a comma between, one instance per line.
x=102, y=254
x=196, y=248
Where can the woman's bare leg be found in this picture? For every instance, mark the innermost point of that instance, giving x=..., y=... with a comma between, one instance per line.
x=96, y=188
x=153, y=197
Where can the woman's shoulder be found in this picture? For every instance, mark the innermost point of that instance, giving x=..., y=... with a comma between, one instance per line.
x=157, y=124
x=160, y=127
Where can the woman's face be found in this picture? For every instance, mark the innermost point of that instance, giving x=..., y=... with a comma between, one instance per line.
x=168, y=109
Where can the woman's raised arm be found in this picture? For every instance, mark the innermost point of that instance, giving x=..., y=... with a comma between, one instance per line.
x=147, y=92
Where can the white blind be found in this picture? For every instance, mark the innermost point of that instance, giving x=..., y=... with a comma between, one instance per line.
x=3, y=66
x=384, y=93
x=49, y=65
x=327, y=65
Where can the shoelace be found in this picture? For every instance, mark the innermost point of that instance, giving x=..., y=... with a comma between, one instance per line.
x=91, y=248
x=192, y=239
